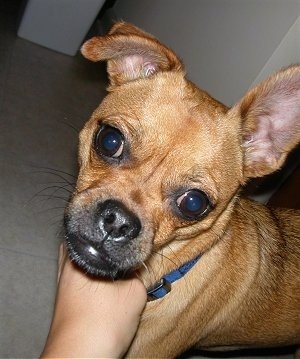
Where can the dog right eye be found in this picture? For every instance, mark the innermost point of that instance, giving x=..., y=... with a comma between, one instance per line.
x=109, y=142
x=193, y=204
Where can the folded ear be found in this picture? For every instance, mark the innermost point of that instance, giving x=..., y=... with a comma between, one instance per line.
x=270, y=115
x=131, y=54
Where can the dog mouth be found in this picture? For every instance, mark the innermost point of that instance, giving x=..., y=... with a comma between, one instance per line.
x=105, y=239
x=91, y=258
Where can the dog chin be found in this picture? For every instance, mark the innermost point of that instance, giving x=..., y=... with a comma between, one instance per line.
x=91, y=259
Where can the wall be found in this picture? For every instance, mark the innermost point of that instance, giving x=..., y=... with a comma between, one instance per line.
x=225, y=44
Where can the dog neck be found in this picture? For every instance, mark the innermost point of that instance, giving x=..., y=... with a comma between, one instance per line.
x=164, y=285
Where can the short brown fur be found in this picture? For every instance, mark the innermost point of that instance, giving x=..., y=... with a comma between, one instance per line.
x=245, y=289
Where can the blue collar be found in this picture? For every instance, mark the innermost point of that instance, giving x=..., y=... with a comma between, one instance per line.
x=163, y=286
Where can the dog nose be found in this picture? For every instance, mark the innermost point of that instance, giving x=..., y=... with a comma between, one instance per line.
x=116, y=222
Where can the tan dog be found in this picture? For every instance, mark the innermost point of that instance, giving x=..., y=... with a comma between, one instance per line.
x=161, y=167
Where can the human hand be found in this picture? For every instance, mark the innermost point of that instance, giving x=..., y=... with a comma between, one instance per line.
x=93, y=317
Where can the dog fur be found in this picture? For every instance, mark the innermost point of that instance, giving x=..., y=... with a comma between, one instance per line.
x=245, y=289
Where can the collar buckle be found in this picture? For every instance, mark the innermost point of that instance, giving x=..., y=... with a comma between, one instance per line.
x=159, y=289
x=164, y=285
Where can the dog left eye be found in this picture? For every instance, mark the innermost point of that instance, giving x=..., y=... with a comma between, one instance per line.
x=109, y=142
x=193, y=204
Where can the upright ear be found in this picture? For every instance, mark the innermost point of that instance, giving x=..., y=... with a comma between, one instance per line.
x=131, y=54
x=270, y=115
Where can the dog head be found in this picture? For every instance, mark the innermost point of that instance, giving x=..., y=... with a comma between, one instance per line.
x=162, y=162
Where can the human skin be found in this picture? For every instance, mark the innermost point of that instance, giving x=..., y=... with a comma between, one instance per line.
x=93, y=318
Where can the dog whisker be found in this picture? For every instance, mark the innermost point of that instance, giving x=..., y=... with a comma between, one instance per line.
x=175, y=255
x=54, y=170
x=56, y=189
x=51, y=170
x=70, y=126
x=146, y=267
x=60, y=208
x=163, y=256
x=59, y=175
x=61, y=183
x=47, y=196
x=43, y=197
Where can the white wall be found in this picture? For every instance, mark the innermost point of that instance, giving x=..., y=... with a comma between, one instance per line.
x=225, y=44
x=288, y=52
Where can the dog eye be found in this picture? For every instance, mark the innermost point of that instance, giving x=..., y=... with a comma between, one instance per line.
x=193, y=204
x=109, y=142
